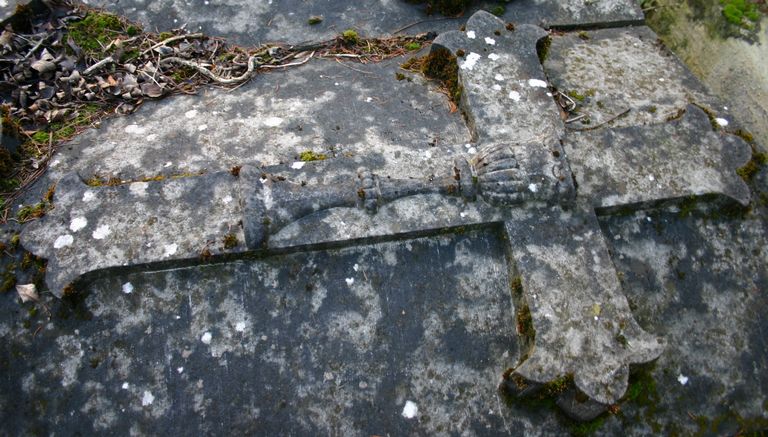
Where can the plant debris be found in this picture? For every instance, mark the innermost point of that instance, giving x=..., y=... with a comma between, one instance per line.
x=63, y=68
x=27, y=292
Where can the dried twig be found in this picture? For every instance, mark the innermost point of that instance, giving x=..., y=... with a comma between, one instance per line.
x=172, y=39
x=597, y=126
x=341, y=55
x=37, y=46
x=212, y=76
x=97, y=66
x=293, y=64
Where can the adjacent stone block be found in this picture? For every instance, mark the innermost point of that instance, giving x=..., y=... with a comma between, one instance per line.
x=653, y=165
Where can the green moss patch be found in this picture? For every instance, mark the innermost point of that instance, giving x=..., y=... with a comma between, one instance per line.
x=309, y=155
x=440, y=65
x=750, y=169
x=97, y=30
x=742, y=13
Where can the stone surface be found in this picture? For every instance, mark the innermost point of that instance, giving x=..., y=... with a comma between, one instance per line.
x=323, y=106
x=309, y=343
x=504, y=90
x=613, y=70
x=8, y=6
x=574, y=13
x=371, y=330
x=654, y=164
x=582, y=322
x=287, y=21
x=521, y=162
x=96, y=228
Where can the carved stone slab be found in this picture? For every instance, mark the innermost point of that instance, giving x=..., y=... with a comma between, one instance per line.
x=517, y=174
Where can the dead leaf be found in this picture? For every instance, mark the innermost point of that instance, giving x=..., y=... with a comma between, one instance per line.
x=27, y=292
x=43, y=66
x=75, y=76
x=56, y=115
x=151, y=90
x=46, y=55
x=6, y=39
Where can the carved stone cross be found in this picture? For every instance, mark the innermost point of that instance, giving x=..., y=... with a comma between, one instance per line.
x=520, y=176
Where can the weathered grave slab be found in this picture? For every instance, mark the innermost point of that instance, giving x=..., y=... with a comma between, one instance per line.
x=574, y=13
x=138, y=223
x=663, y=147
x=700, y=281
x=504, y=88
x=502, y=174
x=318, y=342
x=219, y=300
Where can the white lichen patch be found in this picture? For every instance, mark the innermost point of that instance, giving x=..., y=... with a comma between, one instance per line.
x=206, y=338
x=63, y=241
x=89, y=196
x=470, y=62
x=536, y=83
x=127, y=288
x=721, y=122
x=202, y=127
x=494, y=57
x=240, y=327
x=78, y=223
x=273, y=121
x=514, y=95
x=490, y=41
x=410, y=410
x=147, y=399
x=298, y=165
x=496, y=87
x=350, y=281
x=318, y=297
x=135, y=129
x=471, y=34
x=533, y=188
x=682, y=379
x=170, y=249
x=498, y=77
x=101, y=232
x=191, y=113
x=138, y=188
x=71, y=348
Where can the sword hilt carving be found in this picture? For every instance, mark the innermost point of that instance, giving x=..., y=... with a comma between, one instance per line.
x=495, y=174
